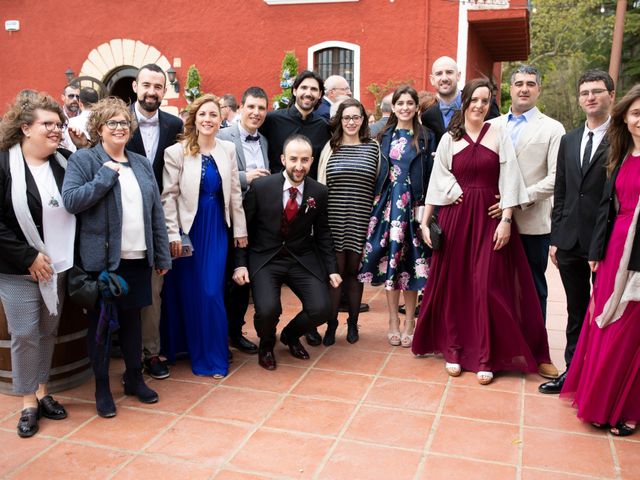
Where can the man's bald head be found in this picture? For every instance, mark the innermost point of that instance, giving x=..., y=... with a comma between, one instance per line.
x=336, y=86
x=444, y=78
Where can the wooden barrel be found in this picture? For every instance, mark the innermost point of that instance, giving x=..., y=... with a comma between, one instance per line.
x=70, y=365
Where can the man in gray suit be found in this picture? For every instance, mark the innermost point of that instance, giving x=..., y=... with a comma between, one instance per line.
x=253, y=162
x=386, y=109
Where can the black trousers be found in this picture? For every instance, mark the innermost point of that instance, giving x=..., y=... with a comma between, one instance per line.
x=577, y=280
x=236, y=297
x=536, y=247
x=266, y=286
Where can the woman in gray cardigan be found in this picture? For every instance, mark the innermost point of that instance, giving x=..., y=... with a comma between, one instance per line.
x=114, y=194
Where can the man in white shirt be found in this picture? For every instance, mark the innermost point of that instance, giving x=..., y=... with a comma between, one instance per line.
x=71, y=107
x=76, y=136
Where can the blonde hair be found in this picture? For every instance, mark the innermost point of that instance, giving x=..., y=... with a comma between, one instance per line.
x=103, y=111
x=190, y=135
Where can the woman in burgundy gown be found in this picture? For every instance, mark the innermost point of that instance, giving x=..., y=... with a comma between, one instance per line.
x=480, y=308
x=604, y=378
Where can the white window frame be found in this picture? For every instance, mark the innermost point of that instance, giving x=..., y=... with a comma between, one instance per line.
x=339, y=44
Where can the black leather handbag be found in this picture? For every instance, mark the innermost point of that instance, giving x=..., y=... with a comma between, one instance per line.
x=82, y=288
x=435, y=232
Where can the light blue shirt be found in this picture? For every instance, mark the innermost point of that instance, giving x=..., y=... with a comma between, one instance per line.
x=516, y=123
x=447, y=110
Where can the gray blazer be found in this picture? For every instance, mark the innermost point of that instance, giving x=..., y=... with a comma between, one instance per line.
x=232, y=134
x=90, y=187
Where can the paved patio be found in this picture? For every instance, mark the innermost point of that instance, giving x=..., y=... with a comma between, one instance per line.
x=367, y=411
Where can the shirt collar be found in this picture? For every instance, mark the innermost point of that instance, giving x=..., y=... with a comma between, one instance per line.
x=140, y=117
x=243, y=131
x=456, y=103
x=287, y=184
x=600, y=129
x=528, y=115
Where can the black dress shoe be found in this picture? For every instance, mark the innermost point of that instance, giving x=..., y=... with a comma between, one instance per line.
x=266, y=359
x=553, y=386
x=28, y=423
x=295, y=347
x=50, y=408
x=330, y=335
x=352, y=332
x=243, y=344
x=134, y=385
x=313, y=338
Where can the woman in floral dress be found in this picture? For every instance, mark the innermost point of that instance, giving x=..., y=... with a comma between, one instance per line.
x=395, y=255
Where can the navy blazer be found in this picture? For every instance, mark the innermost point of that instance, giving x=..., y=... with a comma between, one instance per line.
x=170, y=128
x=16, y=255
x=324, y=109
x=420, y=166
x=90, y=189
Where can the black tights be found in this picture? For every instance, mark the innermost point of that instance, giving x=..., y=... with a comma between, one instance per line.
x=348, y=265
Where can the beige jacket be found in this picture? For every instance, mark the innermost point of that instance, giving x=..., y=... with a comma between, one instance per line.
x=444, y=188
x=181, y=179
x=537, y=153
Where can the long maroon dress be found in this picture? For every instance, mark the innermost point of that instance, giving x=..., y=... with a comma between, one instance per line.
x=480, y=307
x=604, y=378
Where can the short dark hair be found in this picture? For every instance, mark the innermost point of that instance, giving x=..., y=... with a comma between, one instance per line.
x=296, y=137
x=256, y=92
x=596, y=76
x=72, y=85
x=302, y=76
x=89, y=96
x=230, y=101
x=526, y=70
x=152, y=67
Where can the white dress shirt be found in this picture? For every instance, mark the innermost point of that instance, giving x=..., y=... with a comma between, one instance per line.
x=150, y=133
x=285, y=191
x=252, y=151
x=598, y=135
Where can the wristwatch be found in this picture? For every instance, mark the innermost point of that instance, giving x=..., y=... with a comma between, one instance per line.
x=506, y=219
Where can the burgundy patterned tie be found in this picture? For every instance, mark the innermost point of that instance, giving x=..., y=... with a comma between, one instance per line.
x=291, y=208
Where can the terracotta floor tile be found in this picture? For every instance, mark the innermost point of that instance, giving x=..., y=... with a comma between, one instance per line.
x=629, y=458
x=405, y=366
x=175, y=397
x=252, y=375
x=482, y=404
x=390, y=427
x=231, y=475
x=333, y=385
x=589, y=455
x=532, y=382
x=549, y=411
x=9, y=404
x=505, y=381
x=477, y=440
x=241, y=405
x=303, y=414
x=534, y=474
x=17, y=451
x=200, y=440
x=352, y=460
x=156, y=468
x=372, y=337
x=78, y=413
x=72, y=461
x=87, y=390
x=352, y=360
x=130, y=429
x=282, y=454
x=438, y=467
x=404, y=394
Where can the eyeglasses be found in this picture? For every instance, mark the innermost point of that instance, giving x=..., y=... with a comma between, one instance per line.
x=346, y=89
x=352, y=118
x=595, y=92
x=52, y=126
x=71, y=96
x=114, y=124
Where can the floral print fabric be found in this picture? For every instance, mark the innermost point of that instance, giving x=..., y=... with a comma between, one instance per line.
x=394, y=253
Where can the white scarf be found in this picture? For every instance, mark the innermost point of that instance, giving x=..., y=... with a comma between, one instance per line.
x=48, y=288
x=627, y=283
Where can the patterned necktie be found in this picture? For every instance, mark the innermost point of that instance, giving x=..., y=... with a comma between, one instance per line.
x=291, y=208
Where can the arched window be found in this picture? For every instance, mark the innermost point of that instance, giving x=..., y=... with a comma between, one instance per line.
x=337, y=58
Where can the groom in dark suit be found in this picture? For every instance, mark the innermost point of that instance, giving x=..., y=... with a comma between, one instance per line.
x=580, y=178
x=289, y=243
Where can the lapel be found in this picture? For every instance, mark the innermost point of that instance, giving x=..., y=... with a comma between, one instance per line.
x=264, y=145
x=32, y=188
x=163, y=133
x=102, y=158
x=573, y=159
x=191, y=173
x=220, y=159
x=58, y=172
x=528, y=132
x=604, y=144
x=234, y=133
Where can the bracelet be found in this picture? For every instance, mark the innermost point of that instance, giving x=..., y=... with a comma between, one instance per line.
x=506, y=219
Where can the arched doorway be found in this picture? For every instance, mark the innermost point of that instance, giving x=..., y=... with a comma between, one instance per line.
x=119, y=82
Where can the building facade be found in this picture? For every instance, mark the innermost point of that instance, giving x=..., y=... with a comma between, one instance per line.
x=239, y=43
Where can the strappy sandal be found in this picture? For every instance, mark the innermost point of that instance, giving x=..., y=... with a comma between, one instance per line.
x=622, y=429
x=453, y=369
x=394, y=338
x=406, y=340
x=484, y=378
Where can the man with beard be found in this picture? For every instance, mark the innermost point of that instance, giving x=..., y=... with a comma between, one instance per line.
x=299, y=118
x=444, y=78
x=71, y=107
x=156, y=131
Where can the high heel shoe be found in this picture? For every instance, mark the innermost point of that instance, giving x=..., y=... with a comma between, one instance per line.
x=330, y=335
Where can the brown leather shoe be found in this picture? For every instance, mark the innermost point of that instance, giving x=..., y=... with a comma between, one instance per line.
x=548, y=370
x=266, y=359
x=295, y=347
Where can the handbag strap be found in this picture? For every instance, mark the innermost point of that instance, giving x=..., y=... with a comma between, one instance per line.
x=106, y=239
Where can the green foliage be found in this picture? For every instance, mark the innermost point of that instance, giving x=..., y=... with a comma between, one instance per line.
x=379, y=91
x=192, y=88
x=287, y=75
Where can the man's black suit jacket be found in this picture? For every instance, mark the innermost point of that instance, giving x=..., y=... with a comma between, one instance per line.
x=577, y=196
x=432, y=118
x=307, y=239
x=170, y=128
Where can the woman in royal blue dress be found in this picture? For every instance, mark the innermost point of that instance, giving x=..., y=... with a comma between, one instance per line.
x=394, y=253
x=201, y=199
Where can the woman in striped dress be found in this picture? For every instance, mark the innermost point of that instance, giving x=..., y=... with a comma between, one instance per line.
x=349, y=167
